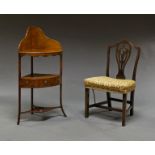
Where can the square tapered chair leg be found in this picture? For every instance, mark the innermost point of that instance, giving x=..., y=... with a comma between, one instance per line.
x=86, y=102
x=124, y=109
x=132, y=103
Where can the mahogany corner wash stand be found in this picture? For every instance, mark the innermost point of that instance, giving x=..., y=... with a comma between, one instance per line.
x=34, y=44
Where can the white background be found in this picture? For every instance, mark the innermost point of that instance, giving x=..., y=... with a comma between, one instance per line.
x=77, y=6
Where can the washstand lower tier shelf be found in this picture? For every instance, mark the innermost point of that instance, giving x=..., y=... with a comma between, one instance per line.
x=39, y=109
x=39, y=80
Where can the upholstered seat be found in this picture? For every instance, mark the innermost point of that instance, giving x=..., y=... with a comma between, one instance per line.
x=110, y=84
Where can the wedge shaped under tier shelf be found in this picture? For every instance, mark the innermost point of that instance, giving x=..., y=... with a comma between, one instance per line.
x=39, y=80
x=39, y=109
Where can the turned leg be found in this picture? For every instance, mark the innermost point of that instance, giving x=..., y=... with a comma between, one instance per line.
x=86, y=102
x=124, y=109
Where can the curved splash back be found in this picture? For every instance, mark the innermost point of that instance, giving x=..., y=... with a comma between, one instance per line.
x=35, y=41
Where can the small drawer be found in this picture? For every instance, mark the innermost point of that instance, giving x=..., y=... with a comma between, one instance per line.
x=39, y=81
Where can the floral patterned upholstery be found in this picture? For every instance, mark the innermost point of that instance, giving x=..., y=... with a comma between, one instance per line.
x=110, y=84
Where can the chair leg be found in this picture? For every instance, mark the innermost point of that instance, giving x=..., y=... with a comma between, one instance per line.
x=31, y=100
x=124, y=109
x=132, y=103
x=19, y=105
x=86, y=102
x=109, y=101
x=61, y=101
x=94, y=96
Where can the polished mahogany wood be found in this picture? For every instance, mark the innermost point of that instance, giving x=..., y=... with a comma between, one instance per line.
x=31, y=88
x=39, y=109
x=124, y=109
x=123, y=50
x=19, y=89
x=39, y=80
x=61, y=69
x=36, y=43
x=86, y=102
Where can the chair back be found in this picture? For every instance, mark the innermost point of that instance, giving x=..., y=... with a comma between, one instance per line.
x=123, y=50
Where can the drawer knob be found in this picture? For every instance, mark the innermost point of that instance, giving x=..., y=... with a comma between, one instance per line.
x=45, y=81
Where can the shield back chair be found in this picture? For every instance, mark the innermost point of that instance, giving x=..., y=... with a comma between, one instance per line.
x=34, y=44
x=120, y=84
